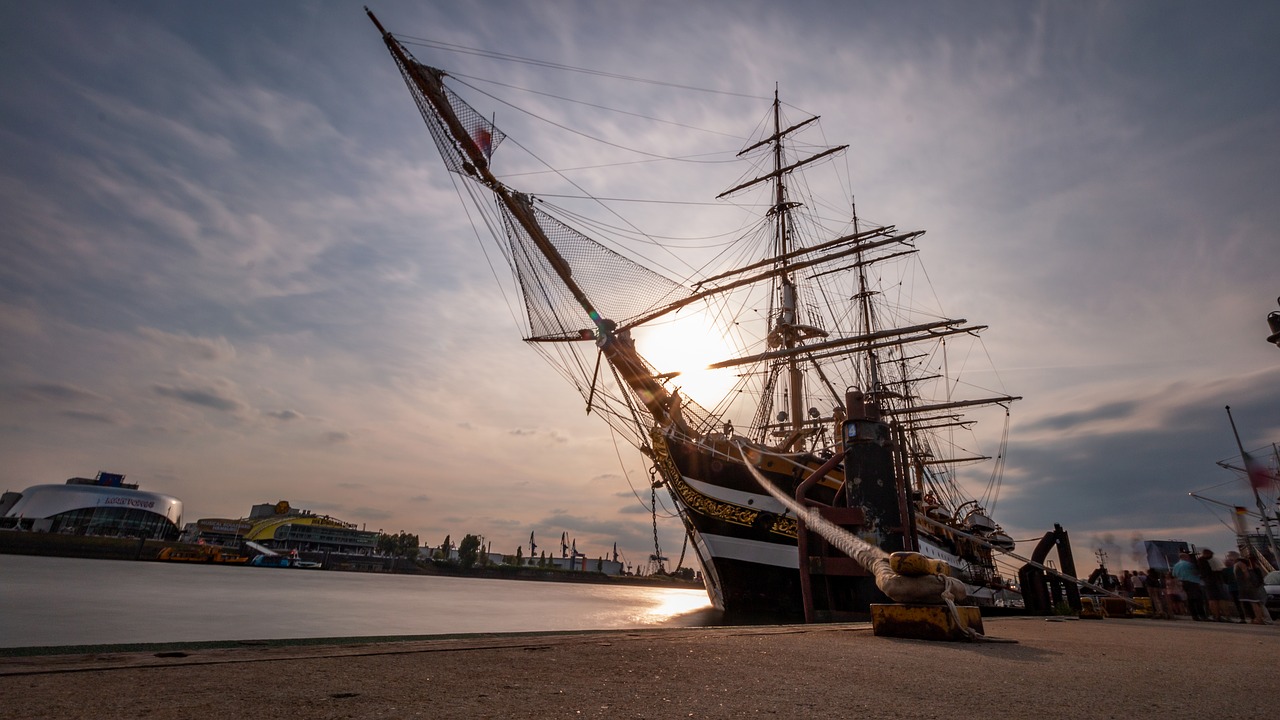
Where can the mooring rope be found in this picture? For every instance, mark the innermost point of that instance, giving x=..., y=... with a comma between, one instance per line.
x=925, y=589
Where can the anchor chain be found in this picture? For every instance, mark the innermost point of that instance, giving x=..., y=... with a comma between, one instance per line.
x=657, y=549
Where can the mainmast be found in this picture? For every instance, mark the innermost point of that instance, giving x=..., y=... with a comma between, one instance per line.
x=787, y=334
x=788, y=315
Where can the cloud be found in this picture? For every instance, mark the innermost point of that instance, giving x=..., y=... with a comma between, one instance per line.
x=372, y=514
x=335, y=437
x=61, y=392
x=285, y=415
x=1139, y=476
x=186, y=347
x=92, y=417
x=600, y=530
x=204, y=397
x=1071, y=420
x=320, y=506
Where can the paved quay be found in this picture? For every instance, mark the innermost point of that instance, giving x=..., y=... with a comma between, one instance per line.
x=1058, y=668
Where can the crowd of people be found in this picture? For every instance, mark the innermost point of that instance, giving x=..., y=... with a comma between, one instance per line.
x=1205, y=587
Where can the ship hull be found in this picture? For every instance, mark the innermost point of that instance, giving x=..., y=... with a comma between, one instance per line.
x=747, y=542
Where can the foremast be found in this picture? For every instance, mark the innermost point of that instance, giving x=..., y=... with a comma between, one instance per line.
x=615, y=345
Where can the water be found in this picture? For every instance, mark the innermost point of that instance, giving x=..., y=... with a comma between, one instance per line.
x=71, y=601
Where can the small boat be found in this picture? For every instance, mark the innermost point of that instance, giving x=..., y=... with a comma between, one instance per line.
x=202, y=554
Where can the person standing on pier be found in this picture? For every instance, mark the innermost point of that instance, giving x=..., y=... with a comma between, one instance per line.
x=1161, y=606
x=1185, y=571
x=1210, y=570
x=1252, y=594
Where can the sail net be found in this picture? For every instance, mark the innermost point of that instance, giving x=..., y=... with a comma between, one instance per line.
x=619, y=288
x=482, y=132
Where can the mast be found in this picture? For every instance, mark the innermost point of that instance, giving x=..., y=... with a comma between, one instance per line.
x=429, y=82
x=868, y=316
x=615, y=345
x=1250, y=469
x=788, y=317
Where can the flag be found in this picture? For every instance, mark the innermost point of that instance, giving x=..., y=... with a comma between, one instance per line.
x=1241, y=514
x=1260, y=476
x=484, y=141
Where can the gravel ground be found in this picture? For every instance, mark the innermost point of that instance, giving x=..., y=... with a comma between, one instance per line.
x=1057, y=669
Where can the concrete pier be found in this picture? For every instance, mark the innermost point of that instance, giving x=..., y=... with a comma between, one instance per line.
x=1057, y=669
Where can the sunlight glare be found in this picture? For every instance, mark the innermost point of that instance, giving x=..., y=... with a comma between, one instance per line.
x=688, y=344
x=673, y=603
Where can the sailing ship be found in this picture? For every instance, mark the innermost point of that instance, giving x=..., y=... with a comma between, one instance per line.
x=828, y=403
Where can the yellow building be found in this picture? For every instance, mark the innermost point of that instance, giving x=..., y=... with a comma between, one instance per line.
x=282, y=527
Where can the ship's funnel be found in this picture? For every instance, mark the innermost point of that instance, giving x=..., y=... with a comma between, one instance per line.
x=855, y=404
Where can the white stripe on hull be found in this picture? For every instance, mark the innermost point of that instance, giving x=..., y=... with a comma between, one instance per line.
x=764, y=553
x=711, y=578
x=755, y=501
x=928, y=549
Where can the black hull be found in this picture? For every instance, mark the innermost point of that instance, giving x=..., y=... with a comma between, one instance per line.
x=747, y=542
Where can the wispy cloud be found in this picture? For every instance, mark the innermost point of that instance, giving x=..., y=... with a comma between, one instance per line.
x=92, y=417
x=335, y=437
x=60, y=392
x=204, y=397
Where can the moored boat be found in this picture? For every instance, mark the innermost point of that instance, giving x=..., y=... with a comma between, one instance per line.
x=202, y=554
x=835, y=399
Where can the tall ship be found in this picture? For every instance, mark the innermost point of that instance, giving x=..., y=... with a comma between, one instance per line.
x=838, y=396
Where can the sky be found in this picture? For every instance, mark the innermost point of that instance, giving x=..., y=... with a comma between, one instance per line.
x=233, y=267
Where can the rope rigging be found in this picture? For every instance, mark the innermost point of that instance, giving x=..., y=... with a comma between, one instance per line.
x=465, y=50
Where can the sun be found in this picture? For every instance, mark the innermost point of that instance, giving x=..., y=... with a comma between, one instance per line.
x=687, y=345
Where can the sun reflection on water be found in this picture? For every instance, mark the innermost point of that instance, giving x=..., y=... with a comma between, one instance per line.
x=671, y=604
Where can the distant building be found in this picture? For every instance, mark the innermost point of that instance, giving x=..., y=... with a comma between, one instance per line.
x=103, y=505
x=282, y=527
x=580, y=563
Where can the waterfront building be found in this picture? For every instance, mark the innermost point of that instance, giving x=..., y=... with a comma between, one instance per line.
x=280, y=526
x=577, y=563
x=104, y=505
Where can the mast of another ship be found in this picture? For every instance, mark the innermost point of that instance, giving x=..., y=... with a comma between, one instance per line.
x=1253, y=470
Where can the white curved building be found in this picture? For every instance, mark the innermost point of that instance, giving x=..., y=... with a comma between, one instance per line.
x=103, y=506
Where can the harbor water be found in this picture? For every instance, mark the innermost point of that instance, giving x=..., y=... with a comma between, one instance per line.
x=54, y=601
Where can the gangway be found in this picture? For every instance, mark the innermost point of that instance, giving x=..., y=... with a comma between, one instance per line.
x=261, y=549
